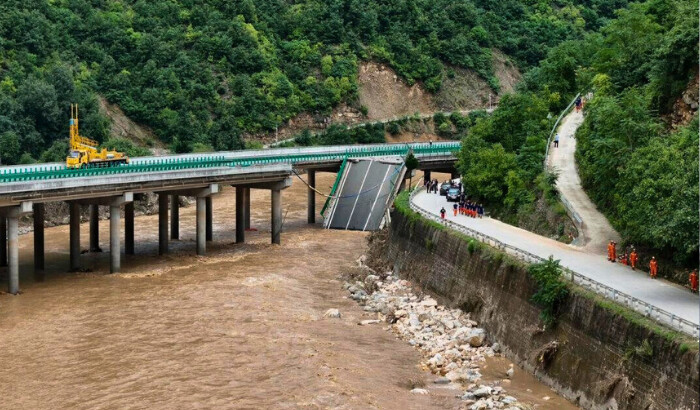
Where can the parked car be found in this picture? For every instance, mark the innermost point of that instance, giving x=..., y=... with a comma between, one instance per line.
x=453, y=195
x=444, y=188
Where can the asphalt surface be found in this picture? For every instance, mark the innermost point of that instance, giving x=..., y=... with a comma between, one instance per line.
x=657, y=292
x=363, y=194
x=596, y=231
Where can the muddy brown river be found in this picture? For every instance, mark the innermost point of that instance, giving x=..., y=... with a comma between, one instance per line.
x=242, y=327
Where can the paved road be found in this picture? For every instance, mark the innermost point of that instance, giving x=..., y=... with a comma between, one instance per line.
x=660, y=293
x=596, y=230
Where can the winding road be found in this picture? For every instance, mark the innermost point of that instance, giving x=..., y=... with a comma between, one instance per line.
x=589, y=259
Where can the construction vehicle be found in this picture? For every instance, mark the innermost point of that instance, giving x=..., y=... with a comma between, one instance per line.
x=83, y=151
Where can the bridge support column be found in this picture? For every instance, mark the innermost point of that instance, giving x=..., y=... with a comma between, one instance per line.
x=162, y=224
x=311, y=197
x=276, y=224
x=3, y=241
x=74, y=236
x=114, y=245
x=247, y=207
x=209, y=219
x=240, y=214
x=38, y=237
x=426, y=175
x=174, y=216
x=129, y=228
x=12, y=214
x=201, y=229
x=95, y=228
x=13, y=253
x=455, y=175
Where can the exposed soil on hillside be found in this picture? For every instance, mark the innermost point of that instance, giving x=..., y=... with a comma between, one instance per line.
x=123, y=127
x=385, y=95
x=466, y=90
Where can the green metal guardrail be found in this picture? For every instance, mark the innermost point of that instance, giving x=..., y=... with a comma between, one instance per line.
x=157, y=165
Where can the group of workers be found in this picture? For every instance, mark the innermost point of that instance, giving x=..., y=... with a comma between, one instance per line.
x=431, y=186
x=632, y=257
x=468, y=208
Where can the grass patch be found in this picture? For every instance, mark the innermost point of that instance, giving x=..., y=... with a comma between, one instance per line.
x=684, y=341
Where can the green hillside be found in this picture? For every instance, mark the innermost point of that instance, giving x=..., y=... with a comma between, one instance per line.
x=205, y=72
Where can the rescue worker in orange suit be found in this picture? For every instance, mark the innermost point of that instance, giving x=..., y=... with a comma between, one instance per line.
x=653, y=267
x=610, y=252
x=634, y=258
x=442, y=213
x=614, y=252
x=623, y=259
x=455, y=206
x=693, y=279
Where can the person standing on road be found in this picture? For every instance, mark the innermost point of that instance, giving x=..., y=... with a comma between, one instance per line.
x=442, y=212
x=480, y=210
x=610, y=255
x=634, y=257
x=556, y=140
x=454, y=207
x=578, y=104
x=653, y=267
x=614, y=251
x=693, y=280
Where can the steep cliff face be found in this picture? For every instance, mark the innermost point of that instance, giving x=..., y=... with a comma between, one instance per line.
x=594, y=356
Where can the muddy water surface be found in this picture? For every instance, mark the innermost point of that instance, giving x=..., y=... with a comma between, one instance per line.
x=240, y=328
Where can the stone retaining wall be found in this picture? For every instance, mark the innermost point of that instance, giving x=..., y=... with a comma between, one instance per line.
x=594, y=356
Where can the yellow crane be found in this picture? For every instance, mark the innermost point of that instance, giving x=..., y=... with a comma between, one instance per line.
x=84, y=152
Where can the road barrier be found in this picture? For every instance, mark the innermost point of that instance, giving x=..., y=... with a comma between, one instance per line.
x=650, y=311
x=55, y=171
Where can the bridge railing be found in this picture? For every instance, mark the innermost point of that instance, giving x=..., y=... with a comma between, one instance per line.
x=646, y=309
x=54, y=171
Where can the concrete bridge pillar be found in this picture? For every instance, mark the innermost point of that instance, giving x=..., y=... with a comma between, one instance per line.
x=13, y=253
x=114, y=245
x=38, y=237
x=162, y=223
x=426, y=175
x=74, y=235
x=95, y=228
x=247, y=207
x=455, y=175
x=114, y=225
x=240, y=214
x=201, y=228
x=174, y=216
x=209, y=219
x=129, y=228
x=311, y=197
x=3, y=241
x=12, y=214
x=276, y=224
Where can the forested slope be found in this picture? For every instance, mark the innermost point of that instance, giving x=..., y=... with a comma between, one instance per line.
x=637, y=164
x=204, y=72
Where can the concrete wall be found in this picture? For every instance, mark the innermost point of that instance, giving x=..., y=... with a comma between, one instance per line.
x=588, y=357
